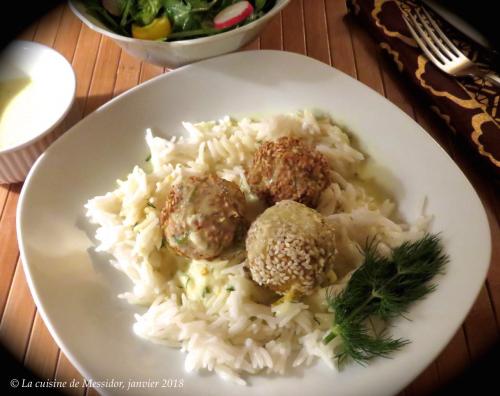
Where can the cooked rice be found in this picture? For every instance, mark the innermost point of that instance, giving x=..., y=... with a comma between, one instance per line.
x=208, y=308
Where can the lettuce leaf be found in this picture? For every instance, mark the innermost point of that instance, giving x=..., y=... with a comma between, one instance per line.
x=146, y=11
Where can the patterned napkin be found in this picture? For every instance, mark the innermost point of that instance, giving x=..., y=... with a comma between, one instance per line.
x=469, y=106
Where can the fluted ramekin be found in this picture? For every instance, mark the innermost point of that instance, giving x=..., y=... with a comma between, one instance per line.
x=37, y=61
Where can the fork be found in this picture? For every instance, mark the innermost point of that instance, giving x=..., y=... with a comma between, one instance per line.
x=440, y=50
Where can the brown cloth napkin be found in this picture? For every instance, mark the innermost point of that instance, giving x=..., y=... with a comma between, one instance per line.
x=468, y=105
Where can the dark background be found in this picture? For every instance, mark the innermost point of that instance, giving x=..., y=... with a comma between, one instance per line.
x=480, y=379
x=16, y=15
x=480, y=15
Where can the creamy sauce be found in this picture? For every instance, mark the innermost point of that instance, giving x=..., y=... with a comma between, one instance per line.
x=28, y=106
x=376, y=180
x=203, y=278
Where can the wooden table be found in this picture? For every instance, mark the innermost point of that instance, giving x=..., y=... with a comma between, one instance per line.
x=317, y=28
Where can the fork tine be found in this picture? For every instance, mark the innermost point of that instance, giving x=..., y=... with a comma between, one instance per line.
x=430, y=30
x=421, y=44
x=424, y=43
x=452, y=47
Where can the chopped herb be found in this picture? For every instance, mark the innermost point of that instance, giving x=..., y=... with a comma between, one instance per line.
x=230, y=289
x=206, y=291
x=253, y=318
x=151, y=205
x=182, y=238
x=191, y=195
x=148, y=158
x=316, y=320
x=382, y=287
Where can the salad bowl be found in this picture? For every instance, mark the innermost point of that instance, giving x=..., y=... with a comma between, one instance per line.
x=173, y=54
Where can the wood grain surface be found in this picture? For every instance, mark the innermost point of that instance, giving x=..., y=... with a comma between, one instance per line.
x=318, y=28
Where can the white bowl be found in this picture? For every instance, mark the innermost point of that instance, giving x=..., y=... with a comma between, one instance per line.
x=53, y=90
x=177, y=53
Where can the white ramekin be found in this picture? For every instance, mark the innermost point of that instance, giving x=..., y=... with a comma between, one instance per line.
x=33, y=60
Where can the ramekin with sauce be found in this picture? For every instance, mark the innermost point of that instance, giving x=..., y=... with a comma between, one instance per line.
x=37, y=89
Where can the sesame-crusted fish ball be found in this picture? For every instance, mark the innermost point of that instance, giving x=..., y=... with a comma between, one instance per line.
x=290, y=247
x=289, y=168
x=203, y=216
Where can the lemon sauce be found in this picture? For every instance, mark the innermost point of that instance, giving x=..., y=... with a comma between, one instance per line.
x=29, y=105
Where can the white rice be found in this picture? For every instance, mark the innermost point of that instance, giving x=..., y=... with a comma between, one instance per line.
x=213, y=318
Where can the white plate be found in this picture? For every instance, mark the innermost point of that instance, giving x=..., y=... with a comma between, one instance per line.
x=75, y=289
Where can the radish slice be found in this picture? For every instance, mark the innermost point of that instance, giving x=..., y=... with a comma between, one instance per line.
x=233, y=15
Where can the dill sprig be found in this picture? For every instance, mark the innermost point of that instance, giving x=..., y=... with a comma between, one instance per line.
x=382, y=287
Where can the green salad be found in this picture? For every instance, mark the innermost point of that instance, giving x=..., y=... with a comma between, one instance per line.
x=171, y=20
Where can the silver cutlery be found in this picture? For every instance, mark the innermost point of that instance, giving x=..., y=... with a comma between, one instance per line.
x=439, y=48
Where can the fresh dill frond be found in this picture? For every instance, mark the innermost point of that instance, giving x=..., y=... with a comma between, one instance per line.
x=359, y=345
x=382, y=287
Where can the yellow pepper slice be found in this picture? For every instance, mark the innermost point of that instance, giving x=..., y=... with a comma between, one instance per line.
x=158, y=29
